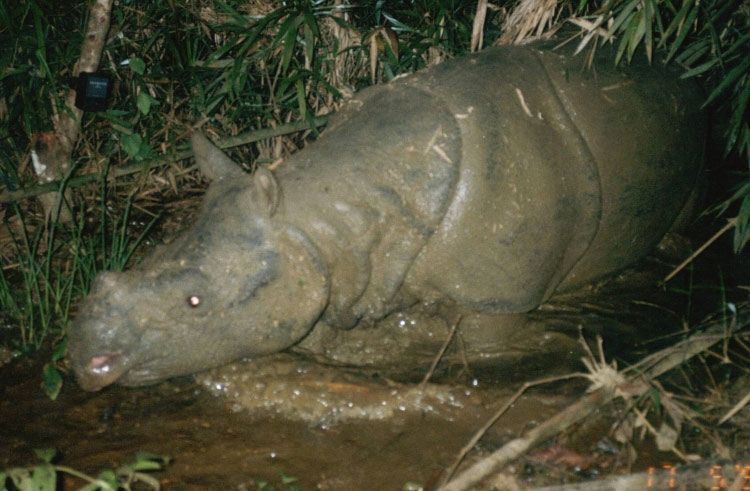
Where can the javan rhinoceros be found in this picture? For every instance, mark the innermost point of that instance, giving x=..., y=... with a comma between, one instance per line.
x=487, y=182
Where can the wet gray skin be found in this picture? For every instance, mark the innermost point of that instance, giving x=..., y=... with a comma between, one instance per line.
x=486, y=183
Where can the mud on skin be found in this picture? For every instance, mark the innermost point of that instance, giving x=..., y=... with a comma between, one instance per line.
x=487, y=183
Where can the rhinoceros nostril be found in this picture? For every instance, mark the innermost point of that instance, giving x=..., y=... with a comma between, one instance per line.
x=103, y=364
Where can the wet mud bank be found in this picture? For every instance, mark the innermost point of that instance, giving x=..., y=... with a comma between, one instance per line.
x=330, y=431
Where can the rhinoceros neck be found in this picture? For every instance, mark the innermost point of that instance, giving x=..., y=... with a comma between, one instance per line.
x=353, y=239
x=371, y=192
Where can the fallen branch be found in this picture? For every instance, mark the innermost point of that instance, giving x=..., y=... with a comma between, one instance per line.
x=712, y=331
x=234, y=141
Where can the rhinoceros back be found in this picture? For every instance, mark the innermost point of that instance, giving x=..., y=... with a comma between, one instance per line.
x=566, y=174
x=645, y=129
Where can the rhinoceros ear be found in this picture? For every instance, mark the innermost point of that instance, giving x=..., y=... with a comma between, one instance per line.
x=267, y=191
x=213, y=162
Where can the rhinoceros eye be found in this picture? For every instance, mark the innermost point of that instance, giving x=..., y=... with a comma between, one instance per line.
x=193, y=301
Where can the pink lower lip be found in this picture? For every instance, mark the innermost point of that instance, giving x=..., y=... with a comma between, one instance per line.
x=101, y=365
x=101, y=370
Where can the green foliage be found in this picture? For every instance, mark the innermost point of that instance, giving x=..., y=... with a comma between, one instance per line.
x=286, y=483
x=281, y=52
x=243, y=68
x=426, y=24
x=44, y=476
x=38, y=41
x=56, y=265
x=51, y=378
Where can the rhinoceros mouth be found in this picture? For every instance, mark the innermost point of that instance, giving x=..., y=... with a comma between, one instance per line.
x=102, y=364
x=101, y=370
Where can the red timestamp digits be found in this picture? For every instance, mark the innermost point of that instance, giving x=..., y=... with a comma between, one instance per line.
x=741, y=471
x=720, y=477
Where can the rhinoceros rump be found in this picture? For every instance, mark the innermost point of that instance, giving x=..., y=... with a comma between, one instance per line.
x=487, y=182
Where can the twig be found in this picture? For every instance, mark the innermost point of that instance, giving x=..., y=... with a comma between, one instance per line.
x=730, y=225
x=78, y=181
x=737, y=407
x=480, y=433
x=440, y=353
x=713, y=331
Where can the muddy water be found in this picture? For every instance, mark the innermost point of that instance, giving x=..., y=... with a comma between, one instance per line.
x=331, y=431
x=332, y=428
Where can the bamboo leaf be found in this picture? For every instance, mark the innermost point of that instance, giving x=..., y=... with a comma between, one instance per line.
x=649, y=17
x=309, y=46
x=330, y=88
x=624, y=16
x=721, y=11
x=740, y=44
x=742, y=228
x=678, y=20
x=311, y=32
x=38, y=29
x=284, y=28
x=631, y=26
x=694, y=52
x=398, y=25
x=637, y=35
x=742, y=191
x=737, y=123
x=219, y=53
x=43, y=67
x=684, y=30
x=312, y=23
x=729, y=80
x=702, y=68
x=301, y=102
x=290, y=39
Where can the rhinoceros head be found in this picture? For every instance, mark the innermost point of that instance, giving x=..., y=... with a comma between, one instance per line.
x=239, y=283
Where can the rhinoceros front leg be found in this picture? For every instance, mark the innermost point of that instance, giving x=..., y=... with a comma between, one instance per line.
x=406, y=342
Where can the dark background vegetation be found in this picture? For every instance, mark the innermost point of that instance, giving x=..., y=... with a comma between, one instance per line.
x=237, y=66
